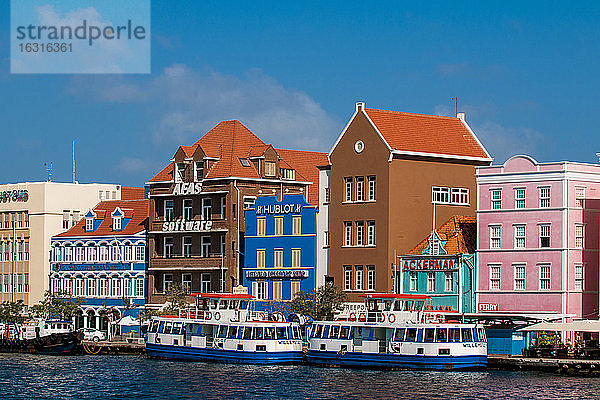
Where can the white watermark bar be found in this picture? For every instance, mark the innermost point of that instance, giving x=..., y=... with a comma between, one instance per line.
x=80, y=36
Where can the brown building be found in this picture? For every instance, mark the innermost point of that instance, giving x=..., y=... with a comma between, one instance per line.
x=392, y=173
x=197, y=205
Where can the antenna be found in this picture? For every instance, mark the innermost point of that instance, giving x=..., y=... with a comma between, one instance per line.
x=455, y=104
x=48, y=171
x=74, y=181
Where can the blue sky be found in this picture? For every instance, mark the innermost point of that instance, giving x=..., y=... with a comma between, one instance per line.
x=526, y=74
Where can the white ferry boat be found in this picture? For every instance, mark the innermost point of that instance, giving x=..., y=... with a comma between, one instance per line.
x=397, y=331
x=224, y=327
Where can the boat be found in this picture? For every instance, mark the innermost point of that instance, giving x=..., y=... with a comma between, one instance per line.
x=51, y=337
x=397, y=331
x=224, y=327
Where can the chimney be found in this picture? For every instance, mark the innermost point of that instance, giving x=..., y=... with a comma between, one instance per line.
x=360, y=106
x=461, y=116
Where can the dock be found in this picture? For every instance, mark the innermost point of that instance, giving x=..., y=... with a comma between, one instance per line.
x=567, y=366
x=112, y=348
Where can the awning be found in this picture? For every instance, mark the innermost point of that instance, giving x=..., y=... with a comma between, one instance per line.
x=575, y=326
x=128, y=321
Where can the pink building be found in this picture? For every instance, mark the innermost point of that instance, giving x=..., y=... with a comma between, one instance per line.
x=538, y=233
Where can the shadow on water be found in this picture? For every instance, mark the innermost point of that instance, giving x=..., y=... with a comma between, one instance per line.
x=137, y=377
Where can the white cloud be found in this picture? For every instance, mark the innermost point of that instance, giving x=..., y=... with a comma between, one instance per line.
x=504, y=142
x=132, y=165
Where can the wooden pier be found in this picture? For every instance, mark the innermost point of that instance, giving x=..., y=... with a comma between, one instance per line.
x=112, y=348
x=568, y=366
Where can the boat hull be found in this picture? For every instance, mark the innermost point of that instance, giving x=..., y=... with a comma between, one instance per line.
x=374, y=360
x=222, y=356
x=57, y=344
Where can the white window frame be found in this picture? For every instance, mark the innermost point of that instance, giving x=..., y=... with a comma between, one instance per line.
x=179, y=172
x=579, y=236
x=459, y=196
x=519, y=273
x=495, y=236
x=495, y=276
x=167, y=283
x=414, y=281
x=347, y=189
x=205, y=246
x=579, y=276
x=296, y=258
x=260, y=258
x=261, y=226
x=543, y=234
x=347, y=278
x=372, y=188
x=544, y=196
x=580, y=196
x=370, y=277
x=360, y=188
x=278, y=258
x=205, y=282
x=168, y=244
x=347, y=233
x=188, y=209
x=518, y=237
x=545, y=272
x=358, y=273
x=431, y=281
x=186, y=246
x=448, y=281
x=440, y=195
x=169, y=207
x=360, y=233
x=186, y=283
x=139, y=287
x=279, y=228
x=496, y=199
x=520, y=197
x=296, y=225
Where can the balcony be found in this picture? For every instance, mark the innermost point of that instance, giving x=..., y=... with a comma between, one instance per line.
x=213, y=261
x=194, y=226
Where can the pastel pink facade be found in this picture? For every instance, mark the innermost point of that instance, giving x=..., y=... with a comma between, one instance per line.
x=538, y=238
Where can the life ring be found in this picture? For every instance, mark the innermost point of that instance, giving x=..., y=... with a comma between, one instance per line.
x=352, y=317
x=261, y=315
x=217, y=315
x=362, y=317
x=381, y=317
x=392, y=318
x=207, y=316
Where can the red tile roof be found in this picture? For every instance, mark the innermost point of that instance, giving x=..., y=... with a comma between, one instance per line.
x=459, y=232
x=132, y=193
x=426, y=133
x=137, y=210
x=305, y=164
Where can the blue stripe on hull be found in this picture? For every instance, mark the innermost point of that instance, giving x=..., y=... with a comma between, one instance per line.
x=224, y=356
x=351, y=359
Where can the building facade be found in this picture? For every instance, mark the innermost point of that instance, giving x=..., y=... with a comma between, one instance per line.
x=197, y=205
x=280, y=247
x=102, y=259
x=393, y=176
x=30, y=214
x=443, y=266
x=322, y=271
x=538, y=234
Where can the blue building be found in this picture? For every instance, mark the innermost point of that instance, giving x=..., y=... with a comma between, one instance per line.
x=280, y=247
x=103, y=260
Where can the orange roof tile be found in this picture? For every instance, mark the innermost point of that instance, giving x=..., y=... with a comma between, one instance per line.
x=426, y=133
x=459, y=232
x=165, y=175
x=305, y=164
x=132, y=193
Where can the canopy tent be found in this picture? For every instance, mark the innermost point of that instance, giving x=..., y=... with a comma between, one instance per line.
x=575, y=326
x=129, y=321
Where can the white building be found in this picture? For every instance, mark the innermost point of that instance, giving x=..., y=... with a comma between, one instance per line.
x=323, y=225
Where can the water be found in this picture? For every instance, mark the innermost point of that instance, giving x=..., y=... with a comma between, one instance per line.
x=137, y=377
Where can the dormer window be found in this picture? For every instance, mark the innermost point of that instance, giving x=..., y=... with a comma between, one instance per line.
x=269, y=168
x=199, y=170
x=117, y=217
x=288, y=174
x=245, y=162
x=89, y=221
x=179, y=172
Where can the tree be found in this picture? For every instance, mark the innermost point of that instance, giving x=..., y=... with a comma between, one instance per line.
x=11, y=312
x=176, y=299
x=319, y=304
x=60, y=305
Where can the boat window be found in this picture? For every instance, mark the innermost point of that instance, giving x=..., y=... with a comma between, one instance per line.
x=429, y=334
x=318, y=331
x=296, y=333
x=334, y=332
x=269, y=333
x=282, y=332
x=154, y=327
x=223, y=304
x=258, y=333
x=441, y=335
x=398, y=304
x=480, y=334
x=176, y=328
x=467, y=334
x=247, y=332
x=243, y=304
x=168, y=326
x=411, y=335
x=222, y=331
x=408, y=305
x=345, y=332
x=418, y=305
x=399, y=334
x=161, y=327
x=233, y=304
x=325, y=331
x=387, y=305
x=454, y=335
x=214, y=303
x=233, y=332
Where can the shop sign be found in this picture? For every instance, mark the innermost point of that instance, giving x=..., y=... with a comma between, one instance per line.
x=187, y=226
x=430, y=264
x=184, y=189
x=14, y=195
x=273, y=274
x=92, y=267
x=488, y=307
x=353, y=307
x=279, y=209
x=239, y=289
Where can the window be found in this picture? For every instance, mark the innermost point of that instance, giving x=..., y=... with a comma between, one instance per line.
x=205, y=282
x=80, y=254
x=127, y=254
x=288, y=174
x=91, y=287
x=103, y=287
x=260, y=289
x=460, y=196
x=347, y=233
x=68, y=252
x=295, y=258
x=347, y=277
x=545, y=277
x=89, y=224
x=519, y=236
x=179, y=172
x=578, y=276
x=26, y=219
x=186, y=281
x=270, y=168
x=260, y=226
x=545, y=235
x=205, y=246
x=370, y=277
x=127, y=288
x=494, y=277
x=326, y=239
x=434, y=245
x=104, y=254
x=448, y=287
x=167, y=282
x=294, y=288
x=519, y=277
x=278, y=226
x=278, y=258
x=199, y=170
x=360, y=232
x=207, y=209
x=372, y=186
x=545, y=197
x=20, y=220
x=296, y=225
x=65, y=219
x=168, y=210
x=168, y=247
x=187, y=246
x=249, y=202
x=140, y=253
x=117, y=223
x=116, y=288
x=245, y=162
x=440, y=194
x=360, y=188
x=117, y=255
x=495, y=236
x=223, y=207
x=579, y=197
x=520, y=198
x=260, y=258
x=26, y=251
x=414, y=283
x=187, y=210
x=359, y=277
x=348, y=187
x=327, y=195
x=431, y=281
x=370, y=233
x=139, y=287
x=579, y=236
x=277, y=292
x=222, y=245
x=78, y=287
x=91, y=253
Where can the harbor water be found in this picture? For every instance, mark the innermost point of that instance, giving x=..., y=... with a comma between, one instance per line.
x=138, y=377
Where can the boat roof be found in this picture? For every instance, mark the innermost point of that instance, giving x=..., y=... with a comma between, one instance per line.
x=223, y=296
x=394, y=296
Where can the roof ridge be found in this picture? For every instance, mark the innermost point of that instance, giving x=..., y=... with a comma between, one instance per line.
x=412, y=113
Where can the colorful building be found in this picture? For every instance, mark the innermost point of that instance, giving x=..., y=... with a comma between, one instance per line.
x=197, y=205
x=103, y=260
x=443, y=266
x=280, y=242
x=393, y=175
x=538, y=233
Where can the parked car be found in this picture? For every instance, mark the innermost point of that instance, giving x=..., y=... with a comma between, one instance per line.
x=93, y=334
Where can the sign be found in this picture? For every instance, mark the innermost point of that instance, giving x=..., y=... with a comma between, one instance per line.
x=93, y=267
x=187, y=226
x=272, y=274
x=488, y=307
x=430, y=264
x=14, y=195
x=239, y=289
x=279, y=209
x=184, y=189
x=353, y=307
